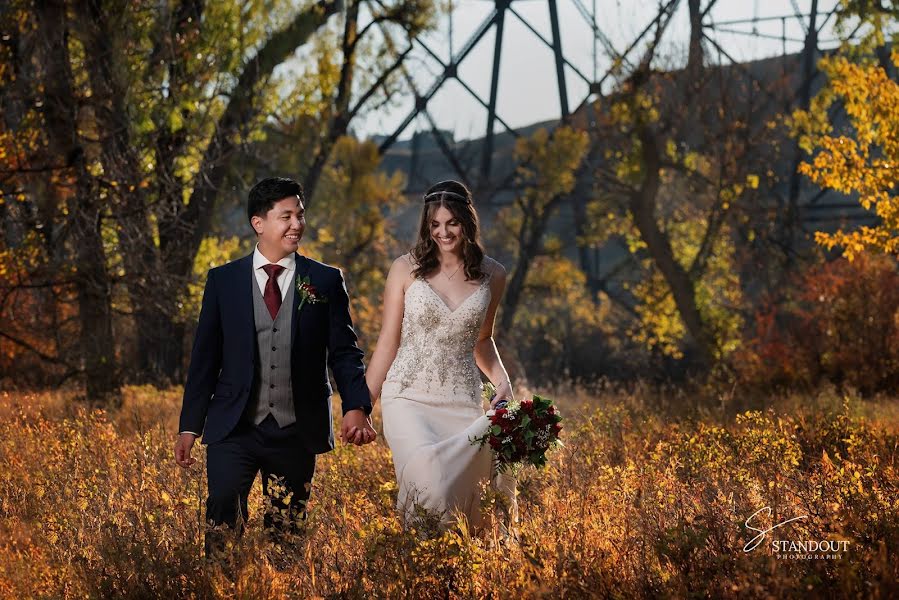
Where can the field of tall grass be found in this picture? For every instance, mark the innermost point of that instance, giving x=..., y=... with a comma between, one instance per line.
x=648, y=498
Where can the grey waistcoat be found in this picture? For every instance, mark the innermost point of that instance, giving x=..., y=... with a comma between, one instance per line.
x=272, y=388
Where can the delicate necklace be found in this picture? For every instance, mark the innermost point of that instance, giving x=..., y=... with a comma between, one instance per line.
x=450, y=277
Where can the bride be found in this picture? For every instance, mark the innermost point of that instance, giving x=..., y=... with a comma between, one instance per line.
x=440, y=304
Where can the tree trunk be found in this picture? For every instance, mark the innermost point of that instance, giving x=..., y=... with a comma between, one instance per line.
x=695, y=57
x=150, y=292
x=92, y=283
x=642, y=205
x=580, y=197
x=530, y=236
x=94, y=303
x=160, y=330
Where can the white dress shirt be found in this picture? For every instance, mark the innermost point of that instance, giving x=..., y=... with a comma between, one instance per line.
x=285, y=278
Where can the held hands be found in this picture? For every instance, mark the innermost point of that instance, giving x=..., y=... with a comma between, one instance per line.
x=503, y=393
x=182, y=450
x=357, y=428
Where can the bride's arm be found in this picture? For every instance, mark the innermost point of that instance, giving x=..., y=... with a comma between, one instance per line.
x=485, y=353
x=391, y=326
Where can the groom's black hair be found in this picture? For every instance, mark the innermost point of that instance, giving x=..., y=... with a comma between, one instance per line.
x=265, y=193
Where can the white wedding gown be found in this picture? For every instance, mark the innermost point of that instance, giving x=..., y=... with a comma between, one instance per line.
x=432, y=407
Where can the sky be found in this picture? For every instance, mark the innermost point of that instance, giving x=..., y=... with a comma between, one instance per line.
x=528, y=90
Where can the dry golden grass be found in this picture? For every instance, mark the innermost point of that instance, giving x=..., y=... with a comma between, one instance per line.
x=644, y=500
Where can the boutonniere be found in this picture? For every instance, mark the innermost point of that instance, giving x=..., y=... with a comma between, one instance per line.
x=308, y=293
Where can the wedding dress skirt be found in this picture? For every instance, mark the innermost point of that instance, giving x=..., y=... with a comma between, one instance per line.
x=432, y=408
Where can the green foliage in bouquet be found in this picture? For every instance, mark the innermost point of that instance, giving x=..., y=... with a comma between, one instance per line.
x=521, y=433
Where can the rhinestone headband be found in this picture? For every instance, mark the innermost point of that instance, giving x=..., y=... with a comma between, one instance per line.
x=446, y=193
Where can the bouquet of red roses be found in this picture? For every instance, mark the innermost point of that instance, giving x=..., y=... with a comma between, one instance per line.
x=521, y=433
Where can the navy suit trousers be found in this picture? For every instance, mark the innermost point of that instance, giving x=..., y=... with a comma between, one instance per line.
x=287, y=469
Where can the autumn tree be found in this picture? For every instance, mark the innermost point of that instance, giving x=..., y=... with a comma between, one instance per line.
x=142, y=110
x=851, y=131
x=546, y=175
x=669, y=166
x=44, y=154
x=350, y=226
x=190, y=196
x=678, y=176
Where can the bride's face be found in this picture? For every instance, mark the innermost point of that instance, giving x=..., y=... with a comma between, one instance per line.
x=446, y=230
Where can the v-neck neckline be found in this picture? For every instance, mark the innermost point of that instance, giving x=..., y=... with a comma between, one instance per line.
x=443, y=302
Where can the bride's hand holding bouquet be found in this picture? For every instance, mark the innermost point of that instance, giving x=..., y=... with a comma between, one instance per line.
x=520, y=433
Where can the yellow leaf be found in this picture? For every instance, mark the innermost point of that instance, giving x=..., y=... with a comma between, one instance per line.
x=752, y=181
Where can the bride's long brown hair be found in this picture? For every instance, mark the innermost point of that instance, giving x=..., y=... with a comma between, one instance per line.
x=456, y=198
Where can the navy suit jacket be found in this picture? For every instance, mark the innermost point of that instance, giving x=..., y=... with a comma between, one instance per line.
x=224, y=356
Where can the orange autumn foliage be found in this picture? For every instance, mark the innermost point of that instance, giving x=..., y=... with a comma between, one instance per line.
x=861, y=157
x=641, y=502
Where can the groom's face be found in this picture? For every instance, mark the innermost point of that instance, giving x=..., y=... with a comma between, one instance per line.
x=281, y=230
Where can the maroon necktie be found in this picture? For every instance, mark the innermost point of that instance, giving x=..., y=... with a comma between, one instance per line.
x=272, y=295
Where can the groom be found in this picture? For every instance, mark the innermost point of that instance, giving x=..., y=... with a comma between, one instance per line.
x=257, y=388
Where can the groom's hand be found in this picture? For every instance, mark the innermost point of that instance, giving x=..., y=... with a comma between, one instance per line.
x=357, y=428
x=182, y=450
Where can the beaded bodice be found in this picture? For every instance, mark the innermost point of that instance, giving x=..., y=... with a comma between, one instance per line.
x=436, y=354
